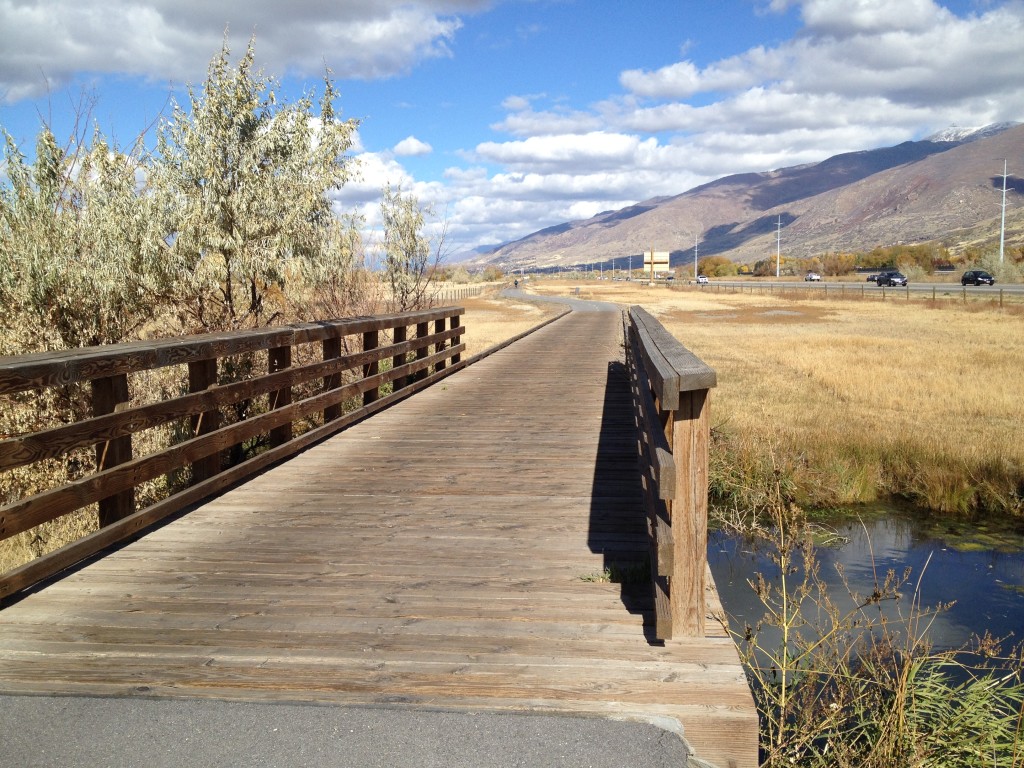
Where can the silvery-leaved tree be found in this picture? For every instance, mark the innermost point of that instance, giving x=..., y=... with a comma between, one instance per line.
x=76, y=246
x=406, y=251
x=242, y=184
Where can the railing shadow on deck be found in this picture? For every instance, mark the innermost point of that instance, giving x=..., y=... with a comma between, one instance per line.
x=617, y=526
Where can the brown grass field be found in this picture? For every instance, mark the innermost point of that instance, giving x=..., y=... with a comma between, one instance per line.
x=850, y=401
x=490, y=319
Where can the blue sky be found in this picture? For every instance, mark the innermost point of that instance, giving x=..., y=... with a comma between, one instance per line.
x=507, y=116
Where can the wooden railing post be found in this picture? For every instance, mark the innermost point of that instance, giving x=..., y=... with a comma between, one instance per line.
x=690, y=437
x=332, y=351
x=456, y=323
x=439, y=347
x=422, y=352
x=279, y=359
x=400, y=335
x=202, y=374
x=371, y=339
x=110, y=394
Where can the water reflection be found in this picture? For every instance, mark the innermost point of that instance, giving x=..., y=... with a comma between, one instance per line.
x=980, y=570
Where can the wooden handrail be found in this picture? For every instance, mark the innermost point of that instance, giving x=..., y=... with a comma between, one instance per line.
x=671, y=394
x=307, y=383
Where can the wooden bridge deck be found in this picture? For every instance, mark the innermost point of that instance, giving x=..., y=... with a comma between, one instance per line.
x=442, y=554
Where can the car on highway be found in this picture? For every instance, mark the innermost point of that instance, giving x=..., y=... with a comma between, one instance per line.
x=702, y=280
x=977, y=277
x=873, y=278
x=891, y=277
x=812, y=277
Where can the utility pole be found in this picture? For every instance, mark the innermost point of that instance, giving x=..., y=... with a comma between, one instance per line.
x=695, y=236
x=778, y=248
x=1002, y=223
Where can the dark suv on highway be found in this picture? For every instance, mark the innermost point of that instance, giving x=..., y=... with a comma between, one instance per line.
x=977, y=277
x=892, y=277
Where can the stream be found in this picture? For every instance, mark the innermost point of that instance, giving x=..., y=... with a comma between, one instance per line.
x=975, y=566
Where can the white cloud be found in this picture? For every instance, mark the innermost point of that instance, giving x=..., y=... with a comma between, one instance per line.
x=526, y=122
x=860, y=74
x=515, y=103
x=412, y=147
x=846, y=18
x=577, y=153
x=43, y=43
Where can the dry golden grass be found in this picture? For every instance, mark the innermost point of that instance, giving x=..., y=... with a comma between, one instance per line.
x=491, y=320
x=855, y=399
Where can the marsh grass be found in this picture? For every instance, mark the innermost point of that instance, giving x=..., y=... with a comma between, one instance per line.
x=858, y=400
x=853, y=680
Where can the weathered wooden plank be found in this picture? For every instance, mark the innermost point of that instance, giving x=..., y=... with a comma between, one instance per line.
x=677, y=368
x=655, y=445
x=691, y=431
x=15, y=452
x=22, y=372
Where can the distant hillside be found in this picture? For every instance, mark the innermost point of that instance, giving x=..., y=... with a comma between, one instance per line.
x=945, y=188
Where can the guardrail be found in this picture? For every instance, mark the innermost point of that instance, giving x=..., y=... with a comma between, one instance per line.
x=313, y=379
x=844, y=290
x=671, y=392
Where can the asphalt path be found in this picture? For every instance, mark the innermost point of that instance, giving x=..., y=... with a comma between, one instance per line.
x=86, y=732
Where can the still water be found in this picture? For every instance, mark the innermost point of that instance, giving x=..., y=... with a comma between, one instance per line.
x=977, y=567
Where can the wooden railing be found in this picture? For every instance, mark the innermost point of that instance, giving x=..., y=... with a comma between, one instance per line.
x=671, y=392
x=319, y=377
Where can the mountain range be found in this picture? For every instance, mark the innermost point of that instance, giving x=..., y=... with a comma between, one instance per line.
x=946, y=188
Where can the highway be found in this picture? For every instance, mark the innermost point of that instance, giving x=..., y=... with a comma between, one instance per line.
x=838, y=288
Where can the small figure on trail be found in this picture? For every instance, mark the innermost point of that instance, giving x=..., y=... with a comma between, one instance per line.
x=517, y=283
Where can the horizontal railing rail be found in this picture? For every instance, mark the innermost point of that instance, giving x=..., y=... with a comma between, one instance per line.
x=299, y=383
x=671, y=394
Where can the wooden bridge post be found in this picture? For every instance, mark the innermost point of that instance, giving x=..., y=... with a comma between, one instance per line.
x=401, y=333
x=110, y=394
x=371, y=339
x=422, y=331
x=439, y=326
x=279, y=359
x=202, y=374
x=456, y=323
x=690, y=438
x=332, y=351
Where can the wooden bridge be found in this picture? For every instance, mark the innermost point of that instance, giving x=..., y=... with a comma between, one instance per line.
x=481, y=545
